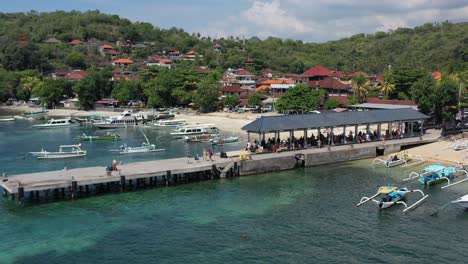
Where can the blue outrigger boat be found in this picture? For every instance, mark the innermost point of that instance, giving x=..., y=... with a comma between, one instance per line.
x=393, y=195
x=435, y=174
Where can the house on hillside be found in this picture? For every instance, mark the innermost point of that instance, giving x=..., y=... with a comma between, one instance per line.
x=315, y=74
x=191, y=56
x=76, y=42
x=276, y=86
x=76, y=75
x=122, y=62
x=241, y=77
x=52, y=41
x=172, y=54
x=161, y=62
x=232, y=90
x=104, y=48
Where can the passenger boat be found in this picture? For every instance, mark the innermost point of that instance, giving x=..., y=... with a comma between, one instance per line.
x=125, y=119
x=55, y=123
x=146, y=147
x=65, y=151
x=201, y=138
x=194, y=130
x=170, y=123
x=398, y=159
x=107, y=137
x=392, y=195
x=222, y=141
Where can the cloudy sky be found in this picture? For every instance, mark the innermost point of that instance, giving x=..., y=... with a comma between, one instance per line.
x=308, y=20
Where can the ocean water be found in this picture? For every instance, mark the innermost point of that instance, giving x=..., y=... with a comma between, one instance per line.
x=299, y=216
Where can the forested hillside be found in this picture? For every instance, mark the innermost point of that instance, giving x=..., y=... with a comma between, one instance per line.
x=441, y=47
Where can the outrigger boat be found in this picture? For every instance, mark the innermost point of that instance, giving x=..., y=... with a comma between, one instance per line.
x=107, y=137
x=223, y=141
x=170, y=123
x=201, y=138
x=74, y=151
x=435, y=174
x=146, y=147
x=393, y=195
x=399, y=159
x=7, y=119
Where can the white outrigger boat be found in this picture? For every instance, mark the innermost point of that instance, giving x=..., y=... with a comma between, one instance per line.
x=53, y=123
x=399, y=159
x=146, y=147
x=7, y=119
x=73, y=152
x=393, y=195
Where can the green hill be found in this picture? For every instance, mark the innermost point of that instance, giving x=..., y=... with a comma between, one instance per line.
x=430, y=47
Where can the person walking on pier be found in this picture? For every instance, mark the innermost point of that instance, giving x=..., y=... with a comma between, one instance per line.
x=210, y=154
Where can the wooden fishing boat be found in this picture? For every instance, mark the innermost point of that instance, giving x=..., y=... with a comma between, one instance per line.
x=146, y=147
x=107, y=137
x=392, y=195
x=398, y=159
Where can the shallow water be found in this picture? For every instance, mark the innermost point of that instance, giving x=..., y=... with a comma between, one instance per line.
x=300, y=216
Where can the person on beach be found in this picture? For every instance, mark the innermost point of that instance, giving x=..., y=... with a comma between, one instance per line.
x=210, y=154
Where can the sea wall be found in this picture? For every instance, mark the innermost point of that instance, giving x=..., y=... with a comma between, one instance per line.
x=286, y=161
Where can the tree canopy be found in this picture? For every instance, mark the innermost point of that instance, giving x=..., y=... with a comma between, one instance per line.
x=299, y=97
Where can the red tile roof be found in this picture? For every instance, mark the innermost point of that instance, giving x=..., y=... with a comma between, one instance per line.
x=76, y=42
x=329, y=83
x=437, y=75
x=376, y=100
x=353, y=74
x=342, y=99
x=192, y=52
x=318, y=71
x=112, y=52
x=123, y=61
x=339, y=74
x=243, y=72
x=162, y=60
x=76, y=75
x=105, y=47
x=279, y=81
x=263, y=88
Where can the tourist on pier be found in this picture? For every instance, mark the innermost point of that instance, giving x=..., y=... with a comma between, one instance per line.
x=114, y=165
x=210, y=154
x=204, y=155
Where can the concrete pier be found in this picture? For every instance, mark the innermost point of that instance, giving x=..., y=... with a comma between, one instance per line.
x=69, y=183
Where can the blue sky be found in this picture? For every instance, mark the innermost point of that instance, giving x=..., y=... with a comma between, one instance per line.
x=308, y=20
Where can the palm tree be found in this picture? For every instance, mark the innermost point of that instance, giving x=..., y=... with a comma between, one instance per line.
x=387, y=88
x=360, y=86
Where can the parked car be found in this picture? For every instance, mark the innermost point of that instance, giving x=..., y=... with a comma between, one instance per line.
x=267, y=108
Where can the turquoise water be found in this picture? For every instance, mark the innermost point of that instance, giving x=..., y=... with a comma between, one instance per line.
x=300, y=216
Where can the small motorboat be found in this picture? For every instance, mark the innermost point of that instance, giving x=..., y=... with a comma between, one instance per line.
x=54, y=123
x=462, y=201
x=399, y=159
x=65, y=151
x=392, y=195
x=201, y=138
x=223, y=141
x=107, y=137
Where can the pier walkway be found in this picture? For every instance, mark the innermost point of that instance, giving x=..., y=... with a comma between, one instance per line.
x=71, y=182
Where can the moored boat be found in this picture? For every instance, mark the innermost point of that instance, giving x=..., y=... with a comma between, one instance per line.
x=65, y=151
x=392, y=195
x=125, y=119
x=222, y=141
x=107, y=137
x=462, y=201
x=201, y=138
x=194, y=130
x=52, y=123
x=170, y=123
x=7, y=119
x=146, y=147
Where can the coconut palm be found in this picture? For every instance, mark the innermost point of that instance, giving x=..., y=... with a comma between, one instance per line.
x=387, y=88
x=360, y=86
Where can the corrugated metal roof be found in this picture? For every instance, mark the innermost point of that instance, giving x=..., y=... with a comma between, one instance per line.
x=328, y=119
x=383, y=106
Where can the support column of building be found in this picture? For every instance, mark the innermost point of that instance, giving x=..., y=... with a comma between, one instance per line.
x=390, y=130
x=305, y=138
x=332, y=137
x=422, y=128
x=356, y=139
x=344, y=134
x=412, y=128
x=379, y=131
x=248, y=136
x=318, y=136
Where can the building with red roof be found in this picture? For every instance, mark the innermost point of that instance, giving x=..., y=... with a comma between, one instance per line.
x=191, y=55
x=232, y=90
x=76, y=75
x=122, y=62
x=316, y=73
x=241, y=77
x=162, y=62
x=76, y=42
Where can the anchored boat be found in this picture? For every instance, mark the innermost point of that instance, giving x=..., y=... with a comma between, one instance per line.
x=125, y=119
x=392, y=195
x=107, y=137
x=146, y=147
x=223, y=141
x=435, y=174
x=53, y=123
x=404, y=159
x=7, y=119
x=65, y=151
